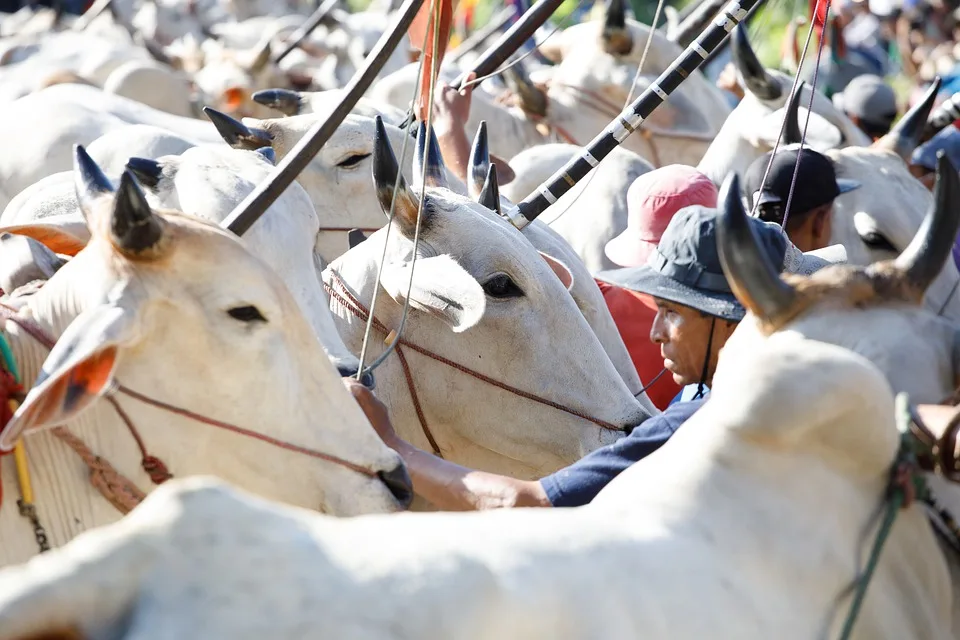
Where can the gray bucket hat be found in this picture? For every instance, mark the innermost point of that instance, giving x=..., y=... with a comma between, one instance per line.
x=685, y=267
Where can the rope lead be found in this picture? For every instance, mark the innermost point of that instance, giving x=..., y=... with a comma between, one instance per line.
x=906, y=485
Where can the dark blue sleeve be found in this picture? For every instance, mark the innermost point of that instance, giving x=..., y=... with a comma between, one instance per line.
x=579, y=483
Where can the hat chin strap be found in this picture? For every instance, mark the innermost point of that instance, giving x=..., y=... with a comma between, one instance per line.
x=706, y=361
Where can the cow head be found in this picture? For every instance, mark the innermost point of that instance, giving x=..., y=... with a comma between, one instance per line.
x=754, y=126
x=481, y=295
x=176, y=308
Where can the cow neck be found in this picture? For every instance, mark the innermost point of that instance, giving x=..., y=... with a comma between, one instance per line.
x=350, y=302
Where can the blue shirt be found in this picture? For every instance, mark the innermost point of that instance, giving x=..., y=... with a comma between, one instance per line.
x=579, y=483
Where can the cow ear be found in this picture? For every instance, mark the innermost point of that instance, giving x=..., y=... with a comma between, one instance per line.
x=61, y=235
x=440, y=287
x=563, y=272
x=79, y=370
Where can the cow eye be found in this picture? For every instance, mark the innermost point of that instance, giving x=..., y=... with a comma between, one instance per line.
x=352, y=161
x=502, y=286
x=877, y=242
x=248, y=313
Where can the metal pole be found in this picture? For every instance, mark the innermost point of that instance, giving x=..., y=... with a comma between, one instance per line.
x=631, y=118
x=306, y=28
x=521, y=31
x=255, y=204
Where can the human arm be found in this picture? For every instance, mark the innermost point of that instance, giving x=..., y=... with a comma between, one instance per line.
x=447, y=485
x=451, y=112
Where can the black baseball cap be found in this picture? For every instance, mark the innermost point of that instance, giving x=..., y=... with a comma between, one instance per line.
x=817, y=182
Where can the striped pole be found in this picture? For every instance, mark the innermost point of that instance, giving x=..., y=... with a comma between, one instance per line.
x=630, y=118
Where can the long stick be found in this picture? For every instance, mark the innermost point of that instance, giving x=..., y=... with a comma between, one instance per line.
x=521, y=31
x=479, y=36
x=306, y=28
x=630, y=118
x=255, y=204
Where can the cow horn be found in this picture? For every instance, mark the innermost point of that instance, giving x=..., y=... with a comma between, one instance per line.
x=89, y=181
x=906, y=134
x=532, y=98
x=133, y=225
x=490, y=193
x=923, y=258
x=752, y=278
x=791, y=130
x=616, y=38
x=756, y=78
x=355, y=237
x=148, y=172
x=387, y=177
x=236, y=134
x=479, y=161
x=428, y=167
x=268, y=154
x=287, y=102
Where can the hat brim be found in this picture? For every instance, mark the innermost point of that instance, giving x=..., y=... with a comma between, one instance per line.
x=846, y=186
x=646, y=280
x=627, y=251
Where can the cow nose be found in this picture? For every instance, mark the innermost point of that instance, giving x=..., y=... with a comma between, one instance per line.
x=399, y=484
x=366, y=379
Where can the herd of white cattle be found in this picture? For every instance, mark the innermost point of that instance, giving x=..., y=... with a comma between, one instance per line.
x=129, y=136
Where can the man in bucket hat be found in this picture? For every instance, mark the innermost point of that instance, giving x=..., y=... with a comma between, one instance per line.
x=652, y=201
x=694, y=301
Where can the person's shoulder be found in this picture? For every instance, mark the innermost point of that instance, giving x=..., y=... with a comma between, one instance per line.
x=679, y=412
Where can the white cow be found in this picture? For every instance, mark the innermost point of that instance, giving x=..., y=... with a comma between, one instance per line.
x=594, y=211
x=753, y=128
x=338, y=181
x=159, y=303
x=750, y=523
x=482, y=298
x=43, y=126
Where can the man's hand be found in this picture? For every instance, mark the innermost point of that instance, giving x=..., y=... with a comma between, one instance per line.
x=451, y=108
x=375, y=411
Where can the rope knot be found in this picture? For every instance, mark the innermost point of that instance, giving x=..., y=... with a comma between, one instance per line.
x=156, y=469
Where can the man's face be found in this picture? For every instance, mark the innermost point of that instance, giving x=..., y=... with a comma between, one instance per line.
x=682, y=334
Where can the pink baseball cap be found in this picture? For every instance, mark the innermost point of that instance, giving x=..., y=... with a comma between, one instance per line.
x=652, y=201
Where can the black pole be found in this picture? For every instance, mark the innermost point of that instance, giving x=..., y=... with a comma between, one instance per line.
x=521, y=31
x=630, y=118
x=306, y=28
x=254, y=205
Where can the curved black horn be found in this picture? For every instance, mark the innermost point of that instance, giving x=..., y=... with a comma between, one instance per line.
x=268, y=154
x=355, y=237
x=148, y=172
x=791, y=131
x=923, y=258
x=386, y=176
x=428, y=167
x=236, y=134
x=755, y=77
x=89, y=181
x=752, y=278
x=287, y=102
x=133, y=225
x=490, y=193
x=947, y=112
x=905, y=136
x=617, y=39
x=479, y=161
